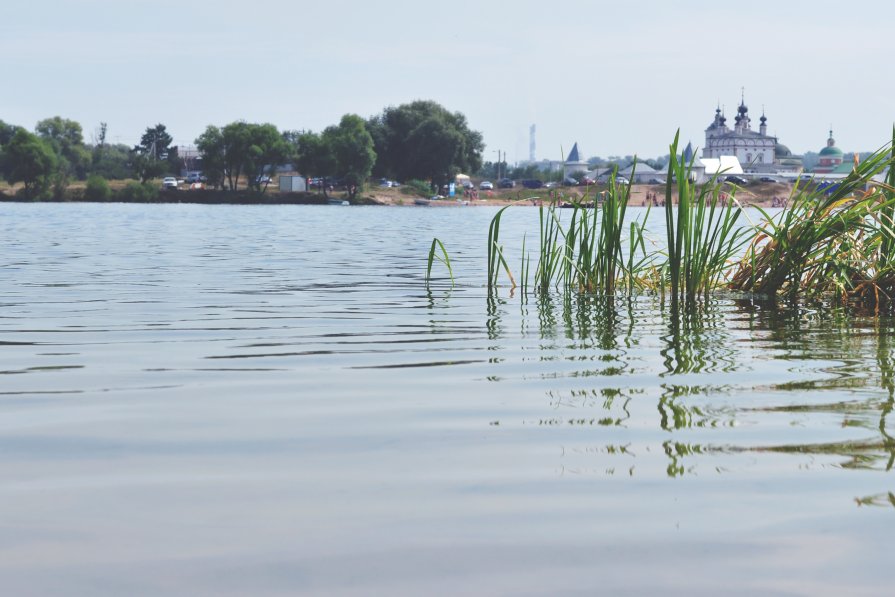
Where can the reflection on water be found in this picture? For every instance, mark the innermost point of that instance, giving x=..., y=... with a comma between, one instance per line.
x=244, y=372
x=732, y=364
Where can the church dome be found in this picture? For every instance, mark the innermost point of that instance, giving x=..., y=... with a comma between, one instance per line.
x=831, y=151
x=782, y=151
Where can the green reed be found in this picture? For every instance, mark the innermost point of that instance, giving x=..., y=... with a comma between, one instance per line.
x=837, y=242
x=605, y=263
x=495, y=253
x=443, y=258
x=876, y=285
x=824, y=242
x=588, y=254
x=551, y=255
x=703, y=237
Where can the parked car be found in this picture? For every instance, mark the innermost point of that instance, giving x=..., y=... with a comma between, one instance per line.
x=656, y=181
x=828, y=187
x=568, y=181
x=767, y=179
x=194, y=177
x=319, y=182
x=506, y=183
x=736, y=179
x=622, y=180
x=486, y=185
x=169, y=182
x=586, y=181
x=533, y=183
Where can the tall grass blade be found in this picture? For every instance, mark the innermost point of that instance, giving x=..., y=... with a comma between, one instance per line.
x=443, y=258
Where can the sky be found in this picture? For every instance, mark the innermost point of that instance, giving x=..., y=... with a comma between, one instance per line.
x=618, y=78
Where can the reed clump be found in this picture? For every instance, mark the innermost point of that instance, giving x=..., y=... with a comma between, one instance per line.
x=835, y=242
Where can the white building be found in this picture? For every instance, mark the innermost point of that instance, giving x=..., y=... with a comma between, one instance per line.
x=755, y=150
x=574, y=163
x=721, y=167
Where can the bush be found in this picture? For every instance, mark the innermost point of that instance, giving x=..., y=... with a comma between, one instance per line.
x=136, y=192
x=97, y=189
x=417, y=187
x=40, y=192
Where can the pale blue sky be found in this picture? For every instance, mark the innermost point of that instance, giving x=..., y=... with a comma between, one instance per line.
x=618, y=78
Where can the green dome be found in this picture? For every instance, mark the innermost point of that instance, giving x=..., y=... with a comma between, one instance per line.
x=831, y=151
x=782, y=151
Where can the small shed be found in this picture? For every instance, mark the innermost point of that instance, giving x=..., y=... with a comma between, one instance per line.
x=293, y=184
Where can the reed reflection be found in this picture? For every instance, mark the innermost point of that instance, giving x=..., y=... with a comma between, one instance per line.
x=851, y=356
x=697, y=341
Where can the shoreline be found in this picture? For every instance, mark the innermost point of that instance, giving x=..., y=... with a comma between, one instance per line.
x=761, y=196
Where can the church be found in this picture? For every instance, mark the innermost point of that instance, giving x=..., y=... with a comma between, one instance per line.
x=755, y=150
x=830, y=159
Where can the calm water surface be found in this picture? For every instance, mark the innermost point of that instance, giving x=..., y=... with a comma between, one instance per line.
x=212, y=400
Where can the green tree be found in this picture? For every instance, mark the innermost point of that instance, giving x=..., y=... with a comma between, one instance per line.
x=7, y=131
x=211, y=146
x=155, y=142
x=30, y=160
x=531, y=171
x=73, y=158
x=424, y=140
x=66, y=137
x=151, y=157
x=267, y=148
x=236, y=139
x=352, y=150
x=114, y=162
x=241, y=148
x=313, y=156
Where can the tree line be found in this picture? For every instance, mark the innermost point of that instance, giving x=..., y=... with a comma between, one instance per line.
x=420, y=140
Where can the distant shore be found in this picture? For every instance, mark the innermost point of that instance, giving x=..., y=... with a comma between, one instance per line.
x=202, y=197
x=759, y=194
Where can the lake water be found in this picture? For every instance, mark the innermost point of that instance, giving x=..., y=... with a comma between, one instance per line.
x=215, y=400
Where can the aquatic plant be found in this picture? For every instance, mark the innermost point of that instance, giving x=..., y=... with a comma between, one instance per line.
x=826, y=241
x=443, y=258
x=551, y=249
x=702, y=234
x=600, y=253
x=588, y=255
x=831, y=240
x=495, y=253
